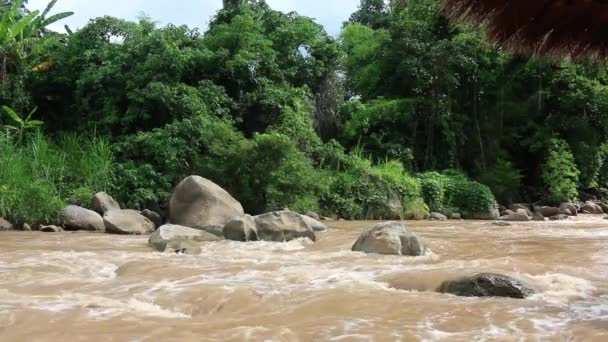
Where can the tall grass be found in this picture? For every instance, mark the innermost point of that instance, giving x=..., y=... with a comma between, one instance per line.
x=39, y=177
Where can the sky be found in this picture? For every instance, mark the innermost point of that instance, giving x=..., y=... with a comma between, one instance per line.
x=194, y=13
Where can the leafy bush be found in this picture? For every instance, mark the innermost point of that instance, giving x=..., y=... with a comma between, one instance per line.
x=39, y=177
x=451, y=191
x=560, y=173
x=503, y=179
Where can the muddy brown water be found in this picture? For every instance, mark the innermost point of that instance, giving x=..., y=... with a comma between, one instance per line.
x=95, y=287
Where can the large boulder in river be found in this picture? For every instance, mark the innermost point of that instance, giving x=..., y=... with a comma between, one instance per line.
x=520, y=215
x=77, y=218
x=517, y=206
x=281, y=226
x=604, y=207
x=491, y=215
x=548, y=211
x=592, y=208
x=569, y=206
x=438, y=217
x=5, y=225
x=172, y=234
x=153, y=216
x=241, y=229
x=316, y=225
x=487, y=285
x=198, y=202
x=391, y=238
x=103, y=202
x=127, y=222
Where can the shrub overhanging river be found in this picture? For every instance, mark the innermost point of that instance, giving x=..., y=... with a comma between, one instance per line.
x=94, y=287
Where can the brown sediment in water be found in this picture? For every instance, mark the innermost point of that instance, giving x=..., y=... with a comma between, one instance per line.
x=94, y=287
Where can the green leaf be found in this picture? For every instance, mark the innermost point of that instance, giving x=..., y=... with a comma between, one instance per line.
x=13, y=114
x=30, y=114
x=35, y=123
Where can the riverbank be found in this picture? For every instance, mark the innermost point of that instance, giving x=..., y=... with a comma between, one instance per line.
x=76, y=285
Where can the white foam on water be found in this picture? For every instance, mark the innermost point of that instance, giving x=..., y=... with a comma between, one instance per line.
x=561, y=288
x=98, y=307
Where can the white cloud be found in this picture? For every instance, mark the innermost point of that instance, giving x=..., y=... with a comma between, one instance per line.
x=194, y=13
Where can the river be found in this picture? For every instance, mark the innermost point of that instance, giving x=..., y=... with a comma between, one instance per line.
x=94, y=287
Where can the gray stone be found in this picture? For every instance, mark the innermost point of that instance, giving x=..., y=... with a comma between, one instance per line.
x=283, y=226
x=103, y=202
x=78, y=218
x=390, y=209
x=215, y=230
x=537, y=216
x=313, y=215
x=389, y=238
x=487, y=285
x=50, y=229
x=127, y=222
x=241, y=229
x=603, y=206
x=438, y=217
x=174, y=233
x=198, y=202
x=455, y=216
x=26, y=227
x=153, y=216
x=492, y=214
x=5, y=225
x=519, y=216
x=592, y=208
x=314, y=224
x=515, y=207
x=548, y=211
x=571, y=207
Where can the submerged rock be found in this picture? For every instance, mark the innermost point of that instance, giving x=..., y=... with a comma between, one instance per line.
x=102, y=203
x=391, y=238
x=438, y=217
x=127, y=222
x=171, y=233
x=78, y=218
x=518, y=216
x=282, y=226
x=501, y=224
x=487, y=285
x=198, y=202
x=50, y=229
x=5, y=225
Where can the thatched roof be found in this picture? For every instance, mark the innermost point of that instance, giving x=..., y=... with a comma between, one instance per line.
x=555, y=28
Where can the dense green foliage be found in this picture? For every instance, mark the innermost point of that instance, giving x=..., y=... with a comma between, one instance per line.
x=281, y=114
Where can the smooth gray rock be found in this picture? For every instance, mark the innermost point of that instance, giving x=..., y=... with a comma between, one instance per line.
x=390, y=209
x=515, y=207
x=316, y=225
x=536, y=216
x=102, y=202
x=50, y=229
x=127, y=222
x=313, y=215
x=560, y=217
x=519, y=216
x=571, y=207
x=5, y=225
x=198, y=202
x=438, y=217
x=26, y=227
x=390, y=238
x=282, y=226
x=492, y=214
x=592, y=208
x=78, y=218
x=455, y=216
x=242, y=229
x=548, y=211
x=174, y=233
x=487, y=285
x=153, y=216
